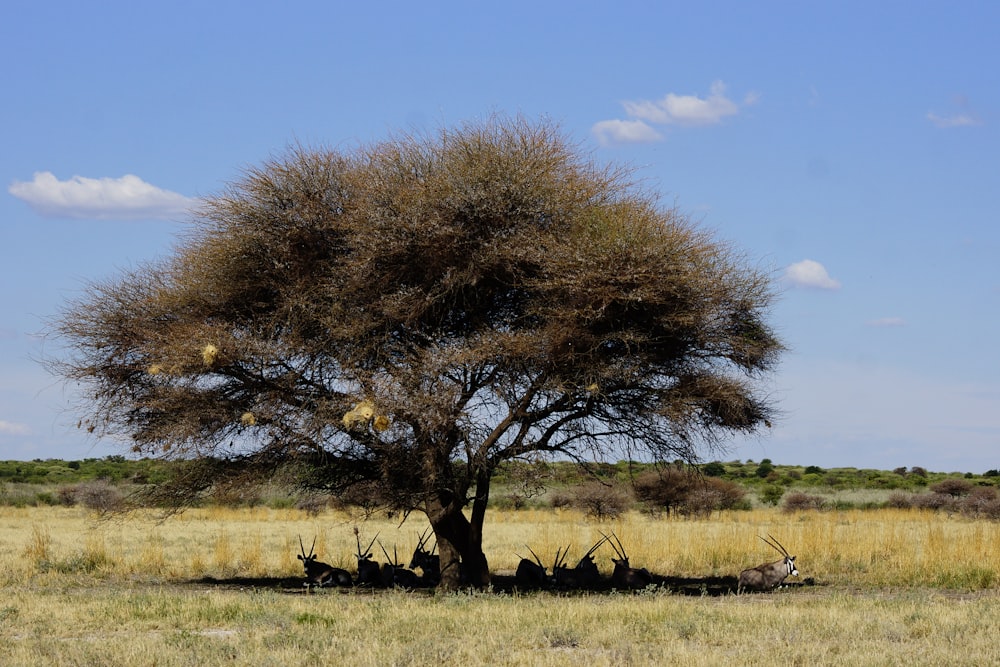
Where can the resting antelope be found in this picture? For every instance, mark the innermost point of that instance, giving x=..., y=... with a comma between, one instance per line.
x=531, y=574
x=769, y=575
x=394, y=574
x=626, y=577
x=368, y=570
x=321, y=574
x=584, y=575
x=428, y=561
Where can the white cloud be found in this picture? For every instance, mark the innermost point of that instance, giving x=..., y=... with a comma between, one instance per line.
x=13, y=428
x=686, y=109
x=810, y=273
x=887, y=322
x=672, y=109
x=125, y=198
x=611, y=132
x=957, y=120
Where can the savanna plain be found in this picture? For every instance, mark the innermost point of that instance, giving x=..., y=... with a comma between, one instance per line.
x=223, y=586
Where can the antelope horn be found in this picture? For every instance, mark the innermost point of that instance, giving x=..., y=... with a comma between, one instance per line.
x=783, y=549
x=537, y=559
x=621, y=546
x=384, y=551
x=312, y=549
x=369, y=549
x=608, y=540
x=773, y=545
x=302, y=547
x=422, y=540
x=596, y=544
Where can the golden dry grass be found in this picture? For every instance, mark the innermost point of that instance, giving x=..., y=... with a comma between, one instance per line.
x=892, y=587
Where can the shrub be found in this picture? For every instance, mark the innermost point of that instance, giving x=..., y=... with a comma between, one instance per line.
x=765, y=468
x=814, y=470
x=982, y=502
x=901, y=471
x=560, y=499
x=899, y=500
x=992, y=473
x=771, y=494
x=952, y=486
x=917, y=471
x=601, y=501
x=666, y=489
x=935, y=501
x=712, y=494
x=99, y=495
x=713, y=469
x=798, y=501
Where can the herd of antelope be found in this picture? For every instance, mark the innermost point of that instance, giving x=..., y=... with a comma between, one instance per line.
x=530, y=574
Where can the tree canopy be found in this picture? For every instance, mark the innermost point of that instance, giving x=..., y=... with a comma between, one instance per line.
x=411, y=313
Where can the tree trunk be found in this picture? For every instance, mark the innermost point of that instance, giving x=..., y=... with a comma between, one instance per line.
x=460, y=544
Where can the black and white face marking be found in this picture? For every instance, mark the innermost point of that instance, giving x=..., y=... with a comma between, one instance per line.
x=790, y=564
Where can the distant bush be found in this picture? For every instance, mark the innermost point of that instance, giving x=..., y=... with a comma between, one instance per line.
x=798, y=501
x=992, y=473
x=771, y=494
x=601, y=501
x=899, y=500
x=713, y=469
x=99, y=495
x=952, y=486
x=814, y=470
x=917, y=471
x=561, y=499
x=765, y=468
x=982, y=503
x=665, y=490
x=935, y=501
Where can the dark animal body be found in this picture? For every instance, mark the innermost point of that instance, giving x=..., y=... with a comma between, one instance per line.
x=624, y=576
x=531, y=574
x=318, y=573
x=769, y=576
x=428, y=562
x=369, y=572
x=584, y=575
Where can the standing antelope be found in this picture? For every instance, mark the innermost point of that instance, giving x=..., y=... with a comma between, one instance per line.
x=626, y=577
x=428, y=561
x=321, y=574
x=531, y=574
x=368, y=570
x=769, y=575
x=584, y=575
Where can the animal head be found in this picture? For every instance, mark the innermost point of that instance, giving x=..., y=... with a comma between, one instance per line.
x=789, y=560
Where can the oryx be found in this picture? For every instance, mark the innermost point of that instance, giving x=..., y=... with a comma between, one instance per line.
x=368, y=570
x=531, y=574
x=394, y=574
x=428, y=562
x=624, y=576
x=769, y=575
x=321, y=574
x=584, y=575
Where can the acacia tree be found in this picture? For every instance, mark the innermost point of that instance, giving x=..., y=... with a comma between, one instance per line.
x=409, y=314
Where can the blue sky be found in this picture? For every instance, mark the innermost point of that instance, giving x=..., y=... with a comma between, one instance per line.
x=850, y=148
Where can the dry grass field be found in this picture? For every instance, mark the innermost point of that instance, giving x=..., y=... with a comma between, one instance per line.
x=222, y=587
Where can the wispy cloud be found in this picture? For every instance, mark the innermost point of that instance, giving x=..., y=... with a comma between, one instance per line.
x=125, y=198
x=956, y=120
x=810, y=274
x=964, y=116
x=13, y=428
x=624, y=132
x=887, y=322
x=672, y=109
